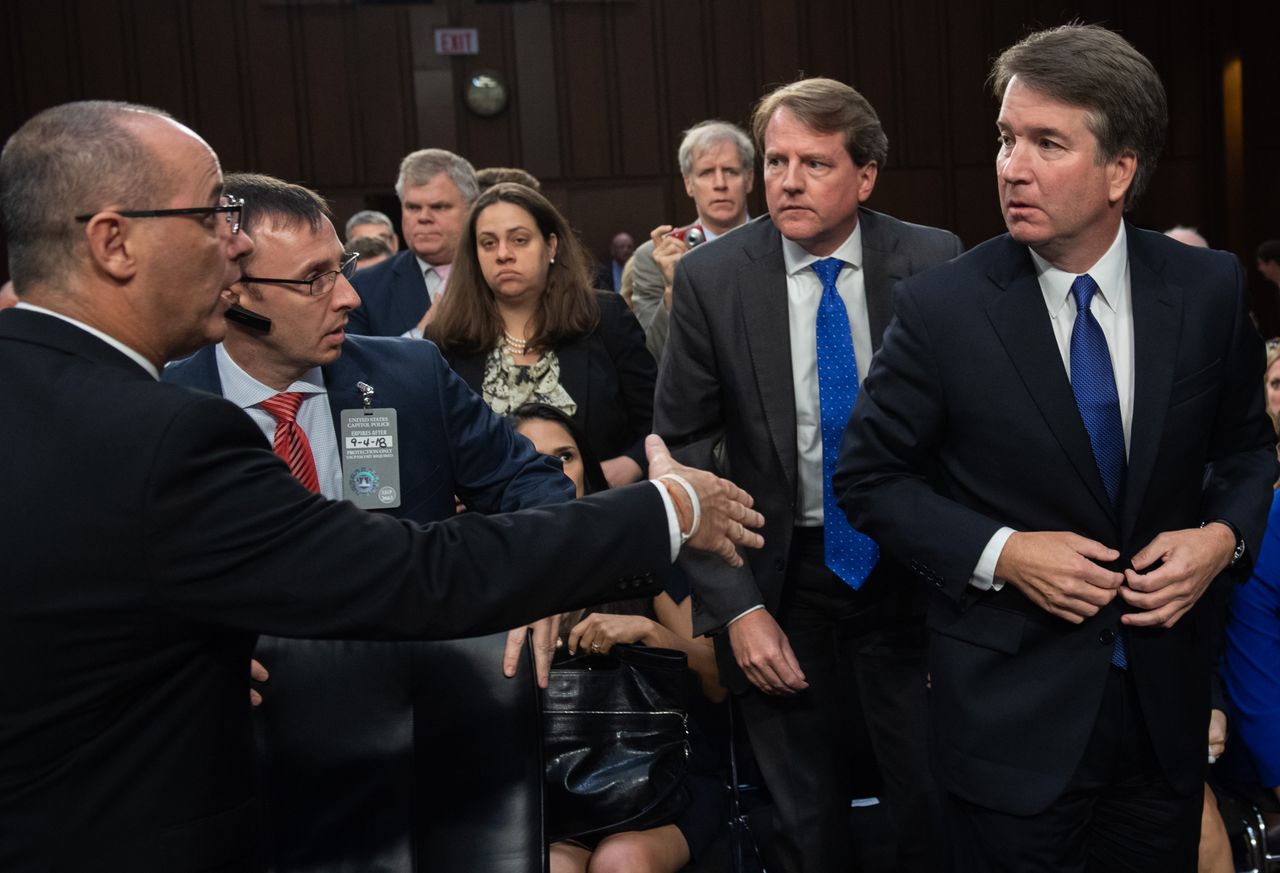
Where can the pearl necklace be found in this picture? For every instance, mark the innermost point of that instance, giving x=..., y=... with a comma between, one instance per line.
x=515, y=345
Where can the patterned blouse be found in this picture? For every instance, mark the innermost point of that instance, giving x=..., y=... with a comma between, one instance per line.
x=507, y=385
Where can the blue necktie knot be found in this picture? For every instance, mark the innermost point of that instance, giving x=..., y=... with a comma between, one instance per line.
x=1083, y=289
x=828, y=269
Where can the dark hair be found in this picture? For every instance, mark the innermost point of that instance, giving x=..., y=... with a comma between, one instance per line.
x=1269, y=251
x=284, y=204
x=490, y=176
x=592, y=474
x=1098, y=70
x=468, y=321
x=69, y=160
x=827, y=106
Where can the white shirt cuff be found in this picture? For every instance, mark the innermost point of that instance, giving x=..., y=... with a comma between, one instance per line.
x=744, y=612
x=984, y=574
x=673, y=523
x=413, y=333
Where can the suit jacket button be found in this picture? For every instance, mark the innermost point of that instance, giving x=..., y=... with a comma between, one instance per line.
x=1106, y=636
x=780, y=565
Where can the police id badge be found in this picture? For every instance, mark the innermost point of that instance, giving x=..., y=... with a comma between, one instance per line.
x=370, y=458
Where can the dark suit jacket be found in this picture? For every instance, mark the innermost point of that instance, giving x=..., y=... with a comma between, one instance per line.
x=967, y=422
x=151, y=537
x=725, y=395
x=609, y=373
x=393, y=297
x=452, y=443
x=381, y=703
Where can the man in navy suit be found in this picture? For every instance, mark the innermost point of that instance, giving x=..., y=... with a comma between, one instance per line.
x=449, y=443
x=436, y=189
x=1063, y=435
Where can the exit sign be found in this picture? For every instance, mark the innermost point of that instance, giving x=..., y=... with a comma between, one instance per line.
x=457, y=41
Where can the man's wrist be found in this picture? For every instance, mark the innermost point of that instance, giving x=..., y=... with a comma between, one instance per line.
x=682, y=503
x=1236, y=545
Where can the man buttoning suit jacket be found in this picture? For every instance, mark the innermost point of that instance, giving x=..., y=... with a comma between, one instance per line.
x=1063, y=434
x=125, y=733
x=739, y=390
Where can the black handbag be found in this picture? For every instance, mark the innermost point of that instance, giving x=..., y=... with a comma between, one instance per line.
x=615, y=742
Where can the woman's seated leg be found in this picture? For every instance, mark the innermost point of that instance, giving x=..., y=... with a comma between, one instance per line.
x=660, y=850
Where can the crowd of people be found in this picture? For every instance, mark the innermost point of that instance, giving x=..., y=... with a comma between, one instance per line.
x=1002, y=512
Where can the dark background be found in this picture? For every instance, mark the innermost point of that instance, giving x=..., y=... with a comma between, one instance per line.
x=333, y=93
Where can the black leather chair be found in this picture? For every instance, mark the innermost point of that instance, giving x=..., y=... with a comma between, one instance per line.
x=399, y=757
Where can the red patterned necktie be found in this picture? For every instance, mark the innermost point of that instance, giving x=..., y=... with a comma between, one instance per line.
x=290, y=440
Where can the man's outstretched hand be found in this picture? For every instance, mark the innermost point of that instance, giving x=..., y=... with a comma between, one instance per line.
x=727, y=519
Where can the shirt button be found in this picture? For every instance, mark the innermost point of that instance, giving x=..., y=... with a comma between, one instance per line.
x=1106, y=636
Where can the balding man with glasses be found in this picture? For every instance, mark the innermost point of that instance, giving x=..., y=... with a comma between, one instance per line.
x=151, y=534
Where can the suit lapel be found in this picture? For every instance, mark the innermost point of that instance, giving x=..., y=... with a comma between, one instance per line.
x=340, y=382
x=1022, y=324
x=410, y=290
x=762, y=286
x=1156, y=324
x=881, y=267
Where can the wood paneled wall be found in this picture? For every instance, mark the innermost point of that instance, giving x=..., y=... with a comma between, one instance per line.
x=332, y=94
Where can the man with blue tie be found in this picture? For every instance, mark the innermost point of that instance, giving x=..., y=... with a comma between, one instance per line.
x=1063, y=433
x=771, y=327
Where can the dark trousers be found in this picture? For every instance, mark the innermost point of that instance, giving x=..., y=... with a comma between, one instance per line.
x=863, y=655
x=1117, y=815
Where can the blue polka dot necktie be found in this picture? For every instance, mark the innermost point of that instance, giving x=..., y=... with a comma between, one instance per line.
x=849, y=554
x=1093, y=382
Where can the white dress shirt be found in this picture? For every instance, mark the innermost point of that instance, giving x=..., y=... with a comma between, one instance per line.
x=435, y=276
x=804, y=292
x=314, y=415
x=1112, y=307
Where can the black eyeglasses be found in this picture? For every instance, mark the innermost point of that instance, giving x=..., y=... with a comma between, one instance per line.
x=229, y=204
x=320, y=285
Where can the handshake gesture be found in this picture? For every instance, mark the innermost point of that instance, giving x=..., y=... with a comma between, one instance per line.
x=721, y=520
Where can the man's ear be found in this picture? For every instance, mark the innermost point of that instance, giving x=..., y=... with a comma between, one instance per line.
x=1120, y=173
x=111, y=248
x=867, y=175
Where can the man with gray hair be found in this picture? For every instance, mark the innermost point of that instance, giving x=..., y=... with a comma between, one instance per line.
x=436, y=189
x=717, y=162
x=125, y=737
x=371, y=222
x=1063, y=433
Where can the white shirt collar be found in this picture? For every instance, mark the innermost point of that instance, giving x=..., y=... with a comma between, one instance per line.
x=245, y=391
x=134, y=356
x=795, y=258
x=1110, y=272
x=711, y=234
